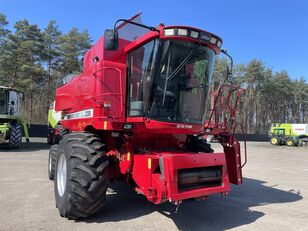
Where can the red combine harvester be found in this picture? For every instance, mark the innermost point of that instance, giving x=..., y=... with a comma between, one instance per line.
x=139, y=112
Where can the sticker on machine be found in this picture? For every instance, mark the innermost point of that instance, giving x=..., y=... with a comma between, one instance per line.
x=80, y=114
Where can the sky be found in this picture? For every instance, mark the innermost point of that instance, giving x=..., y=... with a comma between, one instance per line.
x=273, y=31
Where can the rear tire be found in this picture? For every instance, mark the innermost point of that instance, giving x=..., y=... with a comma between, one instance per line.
x=81, y=181
x=53, y=152
x=275, y=140
x=15, y=135
x=290, y=142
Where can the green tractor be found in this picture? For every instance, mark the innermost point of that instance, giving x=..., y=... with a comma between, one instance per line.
x=288, y=134
x=12, y=127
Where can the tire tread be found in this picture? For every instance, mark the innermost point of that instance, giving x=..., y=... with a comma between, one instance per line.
x=87, y=184
x=15, y=135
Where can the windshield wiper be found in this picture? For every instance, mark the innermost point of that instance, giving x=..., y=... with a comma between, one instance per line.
x=181, y=65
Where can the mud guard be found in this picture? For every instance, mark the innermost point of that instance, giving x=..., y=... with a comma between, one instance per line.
x=233, y=159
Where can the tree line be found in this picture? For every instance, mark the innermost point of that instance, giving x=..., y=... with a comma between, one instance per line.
x=33, y=59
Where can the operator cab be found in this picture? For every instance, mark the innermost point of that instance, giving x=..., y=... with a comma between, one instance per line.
x=169, y=73
x=279, y=131
x=9, y=101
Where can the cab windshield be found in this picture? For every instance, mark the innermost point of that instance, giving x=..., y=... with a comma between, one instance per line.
x=172, y=86
x=279, y=131
x=183, y=81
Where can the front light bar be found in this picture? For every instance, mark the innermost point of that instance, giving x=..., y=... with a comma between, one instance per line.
x=187, y=32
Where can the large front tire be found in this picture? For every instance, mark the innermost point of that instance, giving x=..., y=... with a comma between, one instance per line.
x=15, y=135
x=81, y=182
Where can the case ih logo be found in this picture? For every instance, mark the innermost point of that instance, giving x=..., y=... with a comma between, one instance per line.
x=183, y=126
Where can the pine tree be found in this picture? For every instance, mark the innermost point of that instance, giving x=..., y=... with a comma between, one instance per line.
x=4, y=32
x=51, y=56
x=73, y=46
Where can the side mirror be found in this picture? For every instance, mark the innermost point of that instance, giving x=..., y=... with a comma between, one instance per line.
x=229, y=72
x=111, y=40
x=229, y=67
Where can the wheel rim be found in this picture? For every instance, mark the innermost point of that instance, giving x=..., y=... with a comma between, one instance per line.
x=289, y=142
x=61, y=175
x=274, y=140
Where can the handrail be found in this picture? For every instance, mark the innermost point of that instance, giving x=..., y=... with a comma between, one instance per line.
x=226, y=106
x=224, y=103
x=234, y=106
x=245, y=146
x=215, y=102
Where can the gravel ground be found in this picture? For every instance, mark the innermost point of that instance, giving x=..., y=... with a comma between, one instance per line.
x=273, y=197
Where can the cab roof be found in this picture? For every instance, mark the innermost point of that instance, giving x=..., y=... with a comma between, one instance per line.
x=10, y=88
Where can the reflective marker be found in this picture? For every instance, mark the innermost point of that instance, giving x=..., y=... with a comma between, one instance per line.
x=149, y=163
x=128, y=156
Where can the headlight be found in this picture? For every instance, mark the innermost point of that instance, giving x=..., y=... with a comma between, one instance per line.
x=205, y=36
x=169, y=32
x=200, y=35
x=213, y=40
x=194, y=34
x=182, y=32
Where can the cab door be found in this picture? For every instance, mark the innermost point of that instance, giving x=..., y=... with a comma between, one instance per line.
x=13, y=103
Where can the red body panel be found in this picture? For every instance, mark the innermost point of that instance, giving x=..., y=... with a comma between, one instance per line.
x=103, y=91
